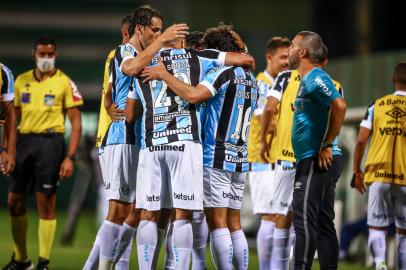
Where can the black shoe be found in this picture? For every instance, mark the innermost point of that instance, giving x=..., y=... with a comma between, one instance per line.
x=14, y=265
x=42, y=264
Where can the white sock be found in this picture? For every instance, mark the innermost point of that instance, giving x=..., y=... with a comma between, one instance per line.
x=161, y=237
x=221, y=248
x=240, y=250
x=109, y=244
x=124, y=262
x=92, y=262
x=147, y=238
x=182, y=243
x=265, y=244
x=169, y=260
x=126, y=237
x=280, y=253
x=401, y=245
x=377, y=245
x=200, y=235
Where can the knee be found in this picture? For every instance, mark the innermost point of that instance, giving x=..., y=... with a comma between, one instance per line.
x=133, y=218
x=46, y=211
x=149, y=215
x=118, y=212
x=16, y=205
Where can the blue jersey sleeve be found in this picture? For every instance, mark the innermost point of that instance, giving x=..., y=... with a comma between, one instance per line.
x=210, y=59
x=323, y=89
x=134, y=90
x=216, y=79
x=7, y=84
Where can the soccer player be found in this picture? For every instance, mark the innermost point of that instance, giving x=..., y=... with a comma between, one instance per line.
x=282, y=97
x=43, y=96
x=105, y=119
x=261, y=174
x=171, y=153
x=385, y=167
x=119, y=158
x=233, y=93
x=319, y=114
x=7, y=120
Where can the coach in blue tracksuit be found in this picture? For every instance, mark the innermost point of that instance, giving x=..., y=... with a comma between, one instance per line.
x=319, y=114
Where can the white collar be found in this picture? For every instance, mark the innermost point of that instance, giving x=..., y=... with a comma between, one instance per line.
x=400, y=93
x=269, y=76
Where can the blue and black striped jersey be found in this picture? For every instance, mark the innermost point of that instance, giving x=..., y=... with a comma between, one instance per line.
x=228, y=117
x=6, y=83
x=167, y=117
x=121, y=132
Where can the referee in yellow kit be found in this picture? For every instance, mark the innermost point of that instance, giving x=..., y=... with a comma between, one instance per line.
x=43, y=96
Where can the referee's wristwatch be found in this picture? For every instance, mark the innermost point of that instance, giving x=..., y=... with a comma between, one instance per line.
x=326, y=144
x=71, y=156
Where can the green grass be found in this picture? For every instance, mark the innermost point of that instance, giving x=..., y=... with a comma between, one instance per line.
x=73, y=257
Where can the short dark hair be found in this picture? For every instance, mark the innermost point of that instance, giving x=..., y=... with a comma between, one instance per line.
x=399, y=75
x=44, y=40
x=276, y=42
x=314, y=45
x=126, y=20
x=220, y=38
x=143, y=16
x=194, y=39
x=324, y=56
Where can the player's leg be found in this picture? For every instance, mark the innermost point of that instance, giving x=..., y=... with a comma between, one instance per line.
x=169, y=258
x=379, y=209
x=240, y=244
x=149, y=195
x=306, y=203
x=261, y=180
x=200, y=236
x=400, y=221
x=128, y=229
x=182, y=238
x=217, y=186
x=20, y=181
x=164, y=220
x=327, y=241
x=281, y=206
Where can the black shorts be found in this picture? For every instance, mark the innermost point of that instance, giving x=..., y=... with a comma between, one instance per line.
x=38, y=160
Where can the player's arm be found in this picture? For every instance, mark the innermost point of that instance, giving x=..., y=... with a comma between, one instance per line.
x=9, y=139
x=134, y=66
x=359, y=151
x=75, y=119
x=268, y=123
x=188, y=92
x=133, y=106
x=111, y=108
x=239, y=59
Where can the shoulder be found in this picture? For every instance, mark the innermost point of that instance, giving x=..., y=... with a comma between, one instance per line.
x=25, y=77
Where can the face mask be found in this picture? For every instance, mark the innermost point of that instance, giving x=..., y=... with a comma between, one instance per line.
x=45, y=64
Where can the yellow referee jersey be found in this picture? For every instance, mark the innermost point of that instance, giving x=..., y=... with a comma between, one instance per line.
x=264, y=81
x=104, y=118
x=43, y=103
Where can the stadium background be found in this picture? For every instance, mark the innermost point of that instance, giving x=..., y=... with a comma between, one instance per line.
x=362, y=36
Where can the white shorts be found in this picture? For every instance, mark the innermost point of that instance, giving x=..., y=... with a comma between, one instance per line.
x=261, y=180
x=118, y=163
x=386, y=203
x=222, y=188
x=283, y=187
x=171, y=176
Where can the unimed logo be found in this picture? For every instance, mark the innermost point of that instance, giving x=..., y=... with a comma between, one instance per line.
x=230, y=196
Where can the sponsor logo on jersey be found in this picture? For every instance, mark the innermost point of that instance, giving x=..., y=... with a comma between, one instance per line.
x=235, y=148
x=153, y=198
x=178, y=65
x=183, y=197
x=25, y=97
x=323, y=86
x=234, y=159
x=246, y=82
x=389, y=175
x=167, y=117
x=379, y=216
x=392, y=131
x=231, y=196
x=162, y=134
x=167, y=147
x=49, y=100
x=396, y=112
x=177, y=57
x=287, y=153
x=298, y=185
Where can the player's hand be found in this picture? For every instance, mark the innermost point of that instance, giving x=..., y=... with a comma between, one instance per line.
x=325, y=158
x=66, y=168
x=8, y=162
x=154, y=73
x=2, y=122
x=264, y=151
x=358, y=184
x=115, y=114
x=239, y=41
x=173, y=33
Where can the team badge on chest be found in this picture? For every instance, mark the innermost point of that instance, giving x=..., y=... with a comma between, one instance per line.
x=25, y=98
x=49, y=100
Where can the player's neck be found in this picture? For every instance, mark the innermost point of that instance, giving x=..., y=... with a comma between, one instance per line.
x=41, y=76
x=271, y=72
x=305, y=67
x=135, y=42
